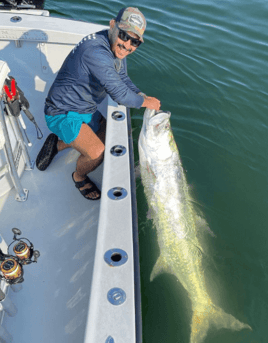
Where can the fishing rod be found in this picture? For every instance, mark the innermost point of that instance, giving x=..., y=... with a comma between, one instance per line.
x=15, y=102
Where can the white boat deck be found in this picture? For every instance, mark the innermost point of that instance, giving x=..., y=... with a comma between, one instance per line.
x=54, y=304
x=63, y=226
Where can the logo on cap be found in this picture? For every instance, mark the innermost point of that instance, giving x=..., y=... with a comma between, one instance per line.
x=136, y=20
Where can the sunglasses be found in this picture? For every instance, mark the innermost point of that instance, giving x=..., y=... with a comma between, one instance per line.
x=125, y=37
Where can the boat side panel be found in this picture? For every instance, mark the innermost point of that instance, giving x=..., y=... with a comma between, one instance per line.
x=115, y=232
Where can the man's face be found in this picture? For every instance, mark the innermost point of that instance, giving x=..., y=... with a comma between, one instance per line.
x=120, y=48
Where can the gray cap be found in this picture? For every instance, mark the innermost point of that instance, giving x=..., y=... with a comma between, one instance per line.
x=131, y=19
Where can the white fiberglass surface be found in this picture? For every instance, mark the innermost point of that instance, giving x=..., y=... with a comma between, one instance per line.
x=56, y=218
x=53, y=304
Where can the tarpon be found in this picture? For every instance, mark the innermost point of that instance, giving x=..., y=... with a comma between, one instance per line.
x=174, y=217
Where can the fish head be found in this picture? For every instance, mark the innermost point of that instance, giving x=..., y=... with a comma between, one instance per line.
x=157, y=132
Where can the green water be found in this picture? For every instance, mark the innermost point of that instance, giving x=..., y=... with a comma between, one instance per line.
x=207, y=63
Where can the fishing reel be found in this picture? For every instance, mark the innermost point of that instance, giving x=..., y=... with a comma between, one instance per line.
x=11, y=267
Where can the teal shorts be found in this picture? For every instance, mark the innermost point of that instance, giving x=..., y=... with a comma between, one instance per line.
x=67, y=126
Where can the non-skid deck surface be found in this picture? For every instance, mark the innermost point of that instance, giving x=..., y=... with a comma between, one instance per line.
x=62, y=224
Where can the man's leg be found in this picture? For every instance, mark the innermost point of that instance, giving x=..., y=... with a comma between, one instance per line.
x=101, y=134
x=102, y=131
x=61, y=145
x=91, y=149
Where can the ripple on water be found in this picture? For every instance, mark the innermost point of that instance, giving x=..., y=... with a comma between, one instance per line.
x=207, y=63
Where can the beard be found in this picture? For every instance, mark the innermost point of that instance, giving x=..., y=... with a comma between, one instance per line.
x=113, y=35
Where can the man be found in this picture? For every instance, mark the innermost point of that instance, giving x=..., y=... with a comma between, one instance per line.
x=93, y=69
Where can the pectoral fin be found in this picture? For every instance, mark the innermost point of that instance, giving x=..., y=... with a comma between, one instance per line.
x=160, y=267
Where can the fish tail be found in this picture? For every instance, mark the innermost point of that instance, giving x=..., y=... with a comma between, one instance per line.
x=206, y=315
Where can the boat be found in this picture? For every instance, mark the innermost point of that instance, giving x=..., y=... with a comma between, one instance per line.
x=77, y=262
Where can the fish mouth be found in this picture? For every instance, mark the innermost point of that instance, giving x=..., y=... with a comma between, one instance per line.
x=158, y=117
x=150, y=114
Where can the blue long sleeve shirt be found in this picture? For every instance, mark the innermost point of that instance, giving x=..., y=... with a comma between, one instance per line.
x=88, y=73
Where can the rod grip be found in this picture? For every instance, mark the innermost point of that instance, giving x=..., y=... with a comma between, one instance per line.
x=28, y=113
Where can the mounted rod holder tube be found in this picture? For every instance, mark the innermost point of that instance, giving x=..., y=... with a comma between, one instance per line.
x=9, y=307
x=5, y=335
x=18, y=133
x=10, y=160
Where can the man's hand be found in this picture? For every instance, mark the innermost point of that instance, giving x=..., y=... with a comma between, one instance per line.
x=151, y=103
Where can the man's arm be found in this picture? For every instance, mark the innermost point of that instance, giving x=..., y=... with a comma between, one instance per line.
x=149, y=102
x=126, y=79
x=98, y=63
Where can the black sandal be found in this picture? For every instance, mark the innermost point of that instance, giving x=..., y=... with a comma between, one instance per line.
x=85, y=192
x=47, y=153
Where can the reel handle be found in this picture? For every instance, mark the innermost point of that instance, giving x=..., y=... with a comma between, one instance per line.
x=36, y=254
x=16, y=232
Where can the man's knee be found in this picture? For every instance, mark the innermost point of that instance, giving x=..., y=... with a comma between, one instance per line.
x=101, y=154
x=97, y=154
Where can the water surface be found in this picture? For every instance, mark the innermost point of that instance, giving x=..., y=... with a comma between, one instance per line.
x=207, y=63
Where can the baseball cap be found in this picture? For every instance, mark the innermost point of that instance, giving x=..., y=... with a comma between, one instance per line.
x=131, y=19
